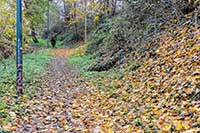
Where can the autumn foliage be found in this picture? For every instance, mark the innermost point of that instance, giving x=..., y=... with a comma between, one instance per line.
x=137, y=72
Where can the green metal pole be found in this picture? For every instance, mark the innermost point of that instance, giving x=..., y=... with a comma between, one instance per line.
x=19, y=63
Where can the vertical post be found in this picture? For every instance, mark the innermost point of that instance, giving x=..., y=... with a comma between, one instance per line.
x=48, y=24
x=85, y=2
x=19, y=63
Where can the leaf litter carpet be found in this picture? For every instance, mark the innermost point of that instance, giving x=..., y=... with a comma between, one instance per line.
x=48, y=111
x=161, y=96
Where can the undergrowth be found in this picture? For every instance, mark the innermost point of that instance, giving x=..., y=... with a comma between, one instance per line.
x=81, y=62
x=33, y=65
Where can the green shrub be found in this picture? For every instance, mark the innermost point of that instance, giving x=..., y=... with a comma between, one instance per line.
x=112, y=32
x=68, y=37
x=98, y=36
x=80, y=63
x=42, y=42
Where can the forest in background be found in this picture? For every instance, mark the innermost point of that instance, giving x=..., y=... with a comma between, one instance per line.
x=116, y=26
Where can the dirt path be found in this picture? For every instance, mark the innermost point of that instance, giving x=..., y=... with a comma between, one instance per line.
x=49, y=110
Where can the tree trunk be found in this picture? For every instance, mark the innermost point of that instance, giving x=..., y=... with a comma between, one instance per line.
x=113, y=7
x=85, y=10
x=75, y=25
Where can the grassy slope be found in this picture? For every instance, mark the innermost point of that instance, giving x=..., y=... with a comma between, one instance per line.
x=33, y=66
x=82, y=62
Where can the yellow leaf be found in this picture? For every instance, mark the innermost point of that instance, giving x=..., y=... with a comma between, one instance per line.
x=96, y=19
x=66, y=127
x=85, y=131
x=178, y=53
x=110, y=130
x=24, y=96
x=2, y=111
x=175, y=21
x=186, y=126
x=179, y=126
x=198, y=120
x=189, y=91
x=7, y=126
x=61, y=104
x=193, y=109
x=74, y=106
x=157, y=51
x=166, y=127
x=26, y=118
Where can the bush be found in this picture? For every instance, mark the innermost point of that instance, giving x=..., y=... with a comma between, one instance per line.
x=98, y=36
x=6, y=50
x=111, y=33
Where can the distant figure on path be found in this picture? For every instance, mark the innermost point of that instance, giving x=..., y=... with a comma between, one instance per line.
x=53, y=41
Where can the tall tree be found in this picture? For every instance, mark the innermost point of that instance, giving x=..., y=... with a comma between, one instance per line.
x=35, y=11
x=85, y=14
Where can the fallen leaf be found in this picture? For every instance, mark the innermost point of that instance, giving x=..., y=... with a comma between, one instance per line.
x=13, y=115
x=7, y=126
x=66, y=127
x=166, y=127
